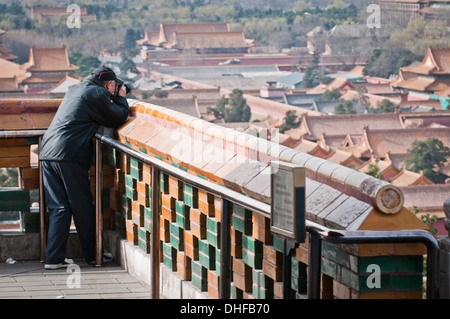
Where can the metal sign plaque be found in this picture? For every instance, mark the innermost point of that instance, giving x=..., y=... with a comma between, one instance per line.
x=288, y=200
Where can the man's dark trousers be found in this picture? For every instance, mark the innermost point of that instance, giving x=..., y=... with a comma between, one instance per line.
x=67, y=192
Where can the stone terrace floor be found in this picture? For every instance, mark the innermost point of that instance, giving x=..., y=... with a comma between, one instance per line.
x=29, y=280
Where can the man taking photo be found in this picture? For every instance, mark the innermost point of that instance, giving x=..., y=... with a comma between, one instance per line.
x=66, y=154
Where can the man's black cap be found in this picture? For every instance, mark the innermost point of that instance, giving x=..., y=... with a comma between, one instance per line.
x=104, y=73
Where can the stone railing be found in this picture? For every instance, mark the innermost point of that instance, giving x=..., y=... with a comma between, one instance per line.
x=336, y=197
x=190, y=217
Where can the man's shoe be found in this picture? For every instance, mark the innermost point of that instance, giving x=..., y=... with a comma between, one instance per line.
x=107, y=257
x=66, y=263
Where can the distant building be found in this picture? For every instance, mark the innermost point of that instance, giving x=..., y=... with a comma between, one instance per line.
x=429, y=78
x=291, y=81
x=401, y=12
x=341, y=84
x=42, y=13
x=46, y=68
x=10, y=76
x=64, y=85
x=313, y=127
x=198, y=38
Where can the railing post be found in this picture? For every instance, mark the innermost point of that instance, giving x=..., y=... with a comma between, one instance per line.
x=314, y=266
x=224, y=286
x=444, y=256
x=288, y=249
x=98, y=203
x=154, y=241
x=42, y=209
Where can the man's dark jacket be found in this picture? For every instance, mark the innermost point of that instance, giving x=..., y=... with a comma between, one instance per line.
x=85, y=107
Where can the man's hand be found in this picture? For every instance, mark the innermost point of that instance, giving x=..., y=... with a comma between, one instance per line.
x=123, y=91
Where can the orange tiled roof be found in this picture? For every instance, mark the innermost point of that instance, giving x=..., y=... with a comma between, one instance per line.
x=373, y=99
x=49, y=59
x=344, y=158
x=306, y=146
x=208, y=40
x=36, y=12
x=383, y=165
x=398, y=141
x=195, y=35
x=47, y=79
x=358, y=151
x=436, y=61
x=443, y=93
x=10, y=69
x=379, y=88
x=63, y=85
x=6, y=55
x=295, y=133
x=431, y=103
x=9, y=85
x=337, y=83
x=407, y=178
x=425, y=84
x=426, y=197
x=335, y=141
x=167, y=30
x=150, y=37
x=352, y=124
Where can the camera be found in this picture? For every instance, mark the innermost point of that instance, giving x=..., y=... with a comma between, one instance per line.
x=120, y=82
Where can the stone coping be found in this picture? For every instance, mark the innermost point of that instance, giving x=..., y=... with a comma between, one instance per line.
x=336, y=196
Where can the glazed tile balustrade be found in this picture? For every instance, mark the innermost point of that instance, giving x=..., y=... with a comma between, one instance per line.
x=190, y=217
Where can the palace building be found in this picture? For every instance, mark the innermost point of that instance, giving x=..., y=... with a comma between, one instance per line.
x=46, y=68
x=197, y=38
x=429, y=78
x=401, y=12
x=42, y=13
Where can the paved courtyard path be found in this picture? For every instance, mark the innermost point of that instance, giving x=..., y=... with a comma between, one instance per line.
x=29, y=280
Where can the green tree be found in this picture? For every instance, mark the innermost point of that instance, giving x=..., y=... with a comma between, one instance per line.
x=238, y=110
x=332, y=95
x=290, y=121
x=390, y=59
x=427, y=219
x=129, y=41
x=385, y=106
x=219, y=110
x=312, y=73
x=161, y=94
x=344, y=108
x=233, y=109
x=427, y=157
x=374, y=170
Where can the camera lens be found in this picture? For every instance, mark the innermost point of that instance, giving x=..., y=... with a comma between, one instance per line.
x=127, y=88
